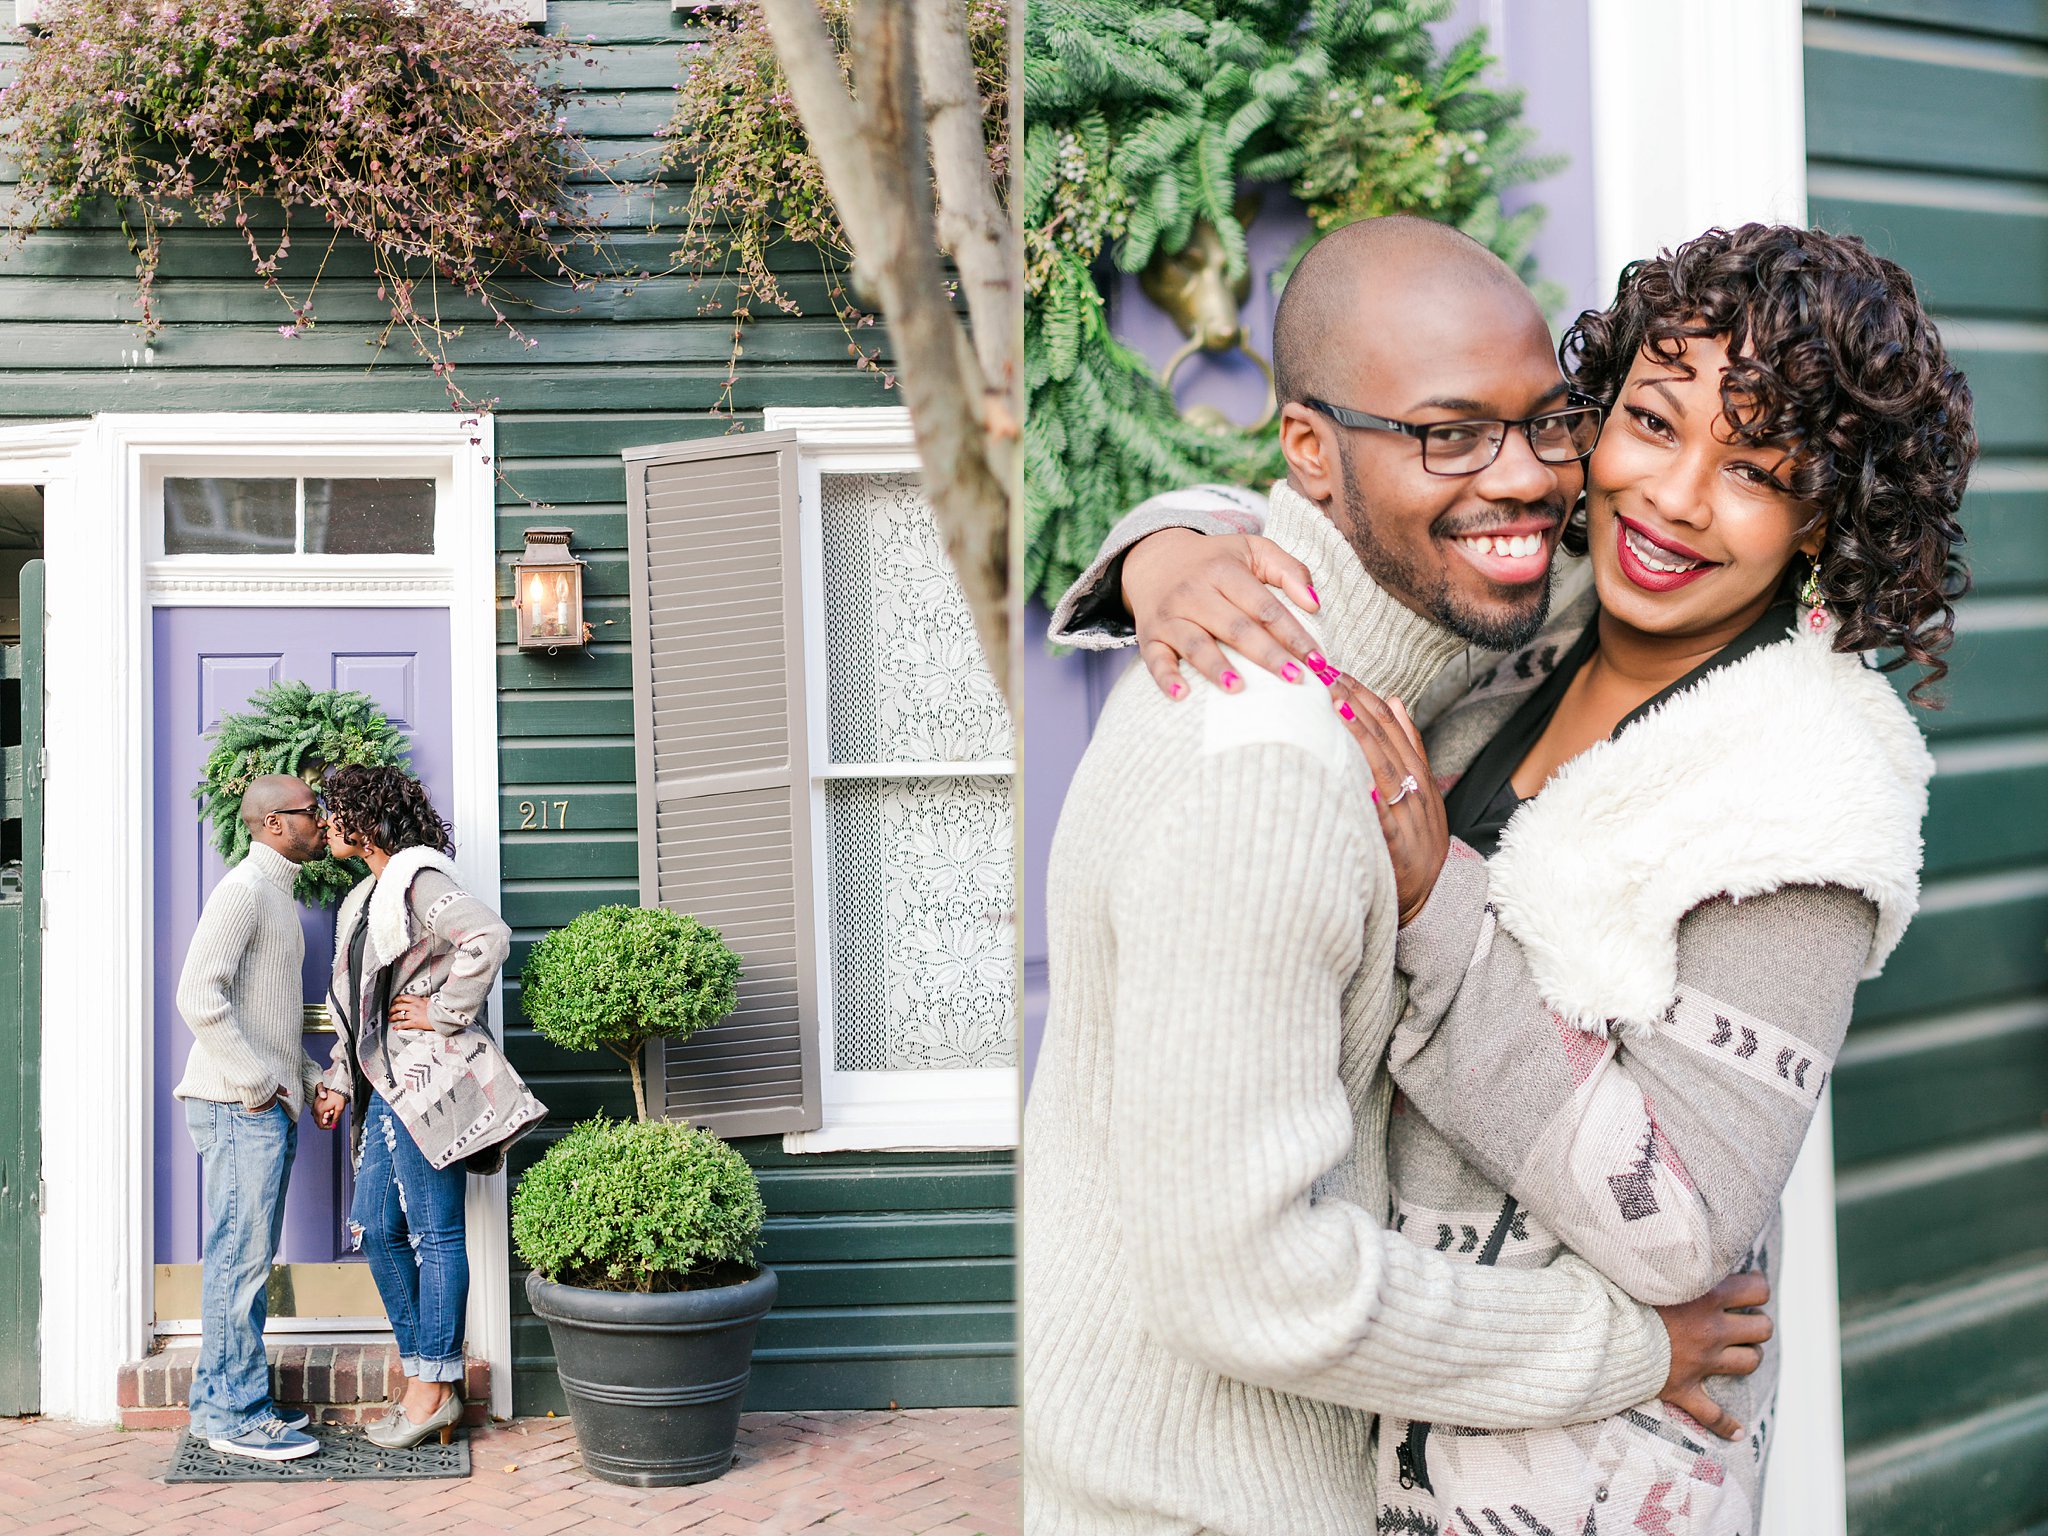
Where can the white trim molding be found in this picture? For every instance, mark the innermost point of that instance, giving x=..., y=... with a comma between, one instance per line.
x=1668, y=80
x=956, y=1110
x=98, y=1109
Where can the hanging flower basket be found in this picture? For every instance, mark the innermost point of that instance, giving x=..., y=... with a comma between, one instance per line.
x=423, y=128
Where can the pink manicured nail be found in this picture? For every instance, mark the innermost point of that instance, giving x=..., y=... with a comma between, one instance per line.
x=1316, y=662
x=1291, y=672
x=1230, y=681
x=1175, y=690
x=1375, y=795
x=1345, y=711
x=1312, y=594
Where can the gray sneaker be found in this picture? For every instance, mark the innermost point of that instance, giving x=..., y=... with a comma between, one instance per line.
x=268, y=1440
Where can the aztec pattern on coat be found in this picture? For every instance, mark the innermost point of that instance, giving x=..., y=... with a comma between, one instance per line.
x=450, y=1087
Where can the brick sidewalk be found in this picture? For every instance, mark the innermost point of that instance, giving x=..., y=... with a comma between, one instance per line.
x=939, y=1472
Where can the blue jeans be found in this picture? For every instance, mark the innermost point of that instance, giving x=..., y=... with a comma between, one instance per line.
x=408, y=1220
x=247, y=1162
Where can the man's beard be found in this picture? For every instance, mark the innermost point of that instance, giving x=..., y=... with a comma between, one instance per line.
x=1430, y=591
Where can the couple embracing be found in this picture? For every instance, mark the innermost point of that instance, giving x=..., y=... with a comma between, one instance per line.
x=433, y=1099
x=1432, y=1037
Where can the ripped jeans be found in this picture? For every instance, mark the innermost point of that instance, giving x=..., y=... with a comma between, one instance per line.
x=408, y=1220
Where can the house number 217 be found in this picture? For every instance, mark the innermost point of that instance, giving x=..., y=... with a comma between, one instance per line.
x=533, y=815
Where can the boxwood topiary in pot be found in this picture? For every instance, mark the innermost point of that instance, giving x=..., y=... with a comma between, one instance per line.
x=641, y=1234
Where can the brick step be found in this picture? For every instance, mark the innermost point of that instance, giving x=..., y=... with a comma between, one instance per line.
x=335, y=1383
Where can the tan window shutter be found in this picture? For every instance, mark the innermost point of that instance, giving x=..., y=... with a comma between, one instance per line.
x=723, y=766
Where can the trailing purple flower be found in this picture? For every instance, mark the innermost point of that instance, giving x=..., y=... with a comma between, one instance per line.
x=433, y=132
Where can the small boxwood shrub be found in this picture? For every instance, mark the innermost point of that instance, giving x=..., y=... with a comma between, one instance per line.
x=618, y=977
x=643, y=1205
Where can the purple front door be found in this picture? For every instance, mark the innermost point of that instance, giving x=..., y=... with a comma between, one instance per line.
x=209, y=661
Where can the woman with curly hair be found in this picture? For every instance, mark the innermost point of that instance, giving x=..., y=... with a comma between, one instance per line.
x=414, y=959
x=1692, y=786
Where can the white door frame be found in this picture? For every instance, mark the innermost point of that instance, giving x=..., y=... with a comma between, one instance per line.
x=1667, y=81
x=98, y=1070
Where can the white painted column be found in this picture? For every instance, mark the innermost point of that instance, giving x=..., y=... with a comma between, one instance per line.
x=96, y=1092
x=1699, y=120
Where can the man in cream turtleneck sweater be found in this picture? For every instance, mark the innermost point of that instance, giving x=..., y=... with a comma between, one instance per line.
x=245, y=1084
x=1213, y=1309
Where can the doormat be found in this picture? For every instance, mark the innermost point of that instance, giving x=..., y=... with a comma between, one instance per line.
x=345, y=1455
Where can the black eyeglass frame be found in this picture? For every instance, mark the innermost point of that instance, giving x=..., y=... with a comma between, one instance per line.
x=1576, y=405
x=316, y=810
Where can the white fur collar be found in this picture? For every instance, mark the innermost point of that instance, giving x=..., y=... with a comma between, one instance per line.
x=390, y=912
x=1794, y=765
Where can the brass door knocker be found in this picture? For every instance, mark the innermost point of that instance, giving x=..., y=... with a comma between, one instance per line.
x=1195, y=289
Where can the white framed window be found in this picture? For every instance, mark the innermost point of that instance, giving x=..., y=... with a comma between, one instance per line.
x=912, y=778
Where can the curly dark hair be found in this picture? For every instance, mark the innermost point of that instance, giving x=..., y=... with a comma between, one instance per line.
x=1833, y=360
x=385, y=806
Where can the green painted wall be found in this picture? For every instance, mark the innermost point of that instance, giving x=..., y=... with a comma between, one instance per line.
x=897, y=1282
x=1927, y=128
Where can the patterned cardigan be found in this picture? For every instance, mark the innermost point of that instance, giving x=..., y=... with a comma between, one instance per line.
x=439, y=942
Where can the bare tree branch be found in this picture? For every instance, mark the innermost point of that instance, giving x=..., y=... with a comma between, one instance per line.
x=873, y=153
x=972, y=225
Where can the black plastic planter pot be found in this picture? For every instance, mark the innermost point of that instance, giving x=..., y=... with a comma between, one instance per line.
x=654, y=1382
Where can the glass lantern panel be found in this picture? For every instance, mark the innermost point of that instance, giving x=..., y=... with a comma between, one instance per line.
x=550, y=604
x=369, y=517
x=219, y=516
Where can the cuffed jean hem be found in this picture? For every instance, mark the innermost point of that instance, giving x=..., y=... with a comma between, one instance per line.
x=450, y=1369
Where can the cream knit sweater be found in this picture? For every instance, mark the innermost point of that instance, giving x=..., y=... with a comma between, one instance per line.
x=242, y=993
x=1212, y=1306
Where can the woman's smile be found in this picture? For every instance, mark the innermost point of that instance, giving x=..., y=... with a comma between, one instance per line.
x=1656, y=564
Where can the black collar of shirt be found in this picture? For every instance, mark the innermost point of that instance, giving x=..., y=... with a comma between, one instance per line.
x=1483, y=799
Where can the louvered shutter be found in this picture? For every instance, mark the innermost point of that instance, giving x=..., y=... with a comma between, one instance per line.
x=723, y=766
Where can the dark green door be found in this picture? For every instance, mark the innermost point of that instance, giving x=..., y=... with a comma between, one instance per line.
x=21, y=929
x=1927, y=134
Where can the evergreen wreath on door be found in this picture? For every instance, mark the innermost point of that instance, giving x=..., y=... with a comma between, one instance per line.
x=292, y=727
x=1145, y=122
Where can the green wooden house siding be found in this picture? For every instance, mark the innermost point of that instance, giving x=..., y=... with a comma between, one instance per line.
x=896, y=1268
x=1927, y=133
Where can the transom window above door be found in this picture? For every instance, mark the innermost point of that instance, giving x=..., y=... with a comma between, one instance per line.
x=297, y=515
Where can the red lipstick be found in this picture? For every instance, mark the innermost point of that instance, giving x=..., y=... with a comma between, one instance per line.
x=1654, y=581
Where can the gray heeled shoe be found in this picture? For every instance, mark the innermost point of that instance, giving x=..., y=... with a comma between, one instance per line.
x=399, y=1433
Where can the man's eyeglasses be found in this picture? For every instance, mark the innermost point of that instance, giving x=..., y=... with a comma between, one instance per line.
x=317, y=812
x=1467, y=447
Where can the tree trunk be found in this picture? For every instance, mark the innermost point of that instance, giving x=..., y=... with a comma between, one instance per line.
x=632, y=1061
x=872, y=151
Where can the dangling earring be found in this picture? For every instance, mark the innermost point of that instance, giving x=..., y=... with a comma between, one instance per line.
x=1816, y=616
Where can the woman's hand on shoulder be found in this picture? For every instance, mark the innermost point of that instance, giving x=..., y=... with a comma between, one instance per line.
x=1189, y=591
x=1411, y=807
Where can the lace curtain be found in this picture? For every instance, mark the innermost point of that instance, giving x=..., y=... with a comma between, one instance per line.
x=920, y=864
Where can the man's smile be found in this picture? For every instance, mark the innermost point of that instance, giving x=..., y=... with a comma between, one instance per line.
x=1512, y=555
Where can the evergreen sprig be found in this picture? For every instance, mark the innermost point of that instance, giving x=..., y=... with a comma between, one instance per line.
x=1143, y=119
x=292, y=727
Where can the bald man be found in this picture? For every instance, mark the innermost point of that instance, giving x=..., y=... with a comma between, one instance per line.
x=1213, y=1310
x=245, y=1084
